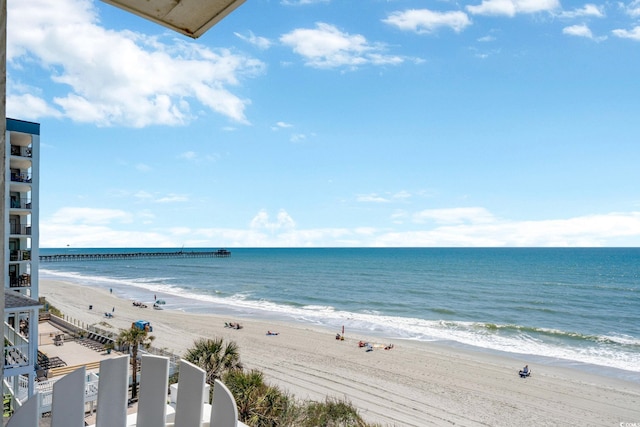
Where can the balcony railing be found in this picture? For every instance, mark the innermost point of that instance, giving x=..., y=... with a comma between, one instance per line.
x=21, y=203
x=22, y=151
x=72, y=392
x=22, y=281
x=21, y=229
x=21, y=177
x=15, y=355
x=20, y=256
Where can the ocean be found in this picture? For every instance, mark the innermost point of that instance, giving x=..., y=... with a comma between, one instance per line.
x=557, y=306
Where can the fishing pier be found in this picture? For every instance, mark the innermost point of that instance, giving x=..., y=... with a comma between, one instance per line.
x=220, y=253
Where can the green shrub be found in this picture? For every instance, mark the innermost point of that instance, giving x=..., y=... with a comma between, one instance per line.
x=263, y=405
x=330, y=413
x=53, y=310
x=259, y=405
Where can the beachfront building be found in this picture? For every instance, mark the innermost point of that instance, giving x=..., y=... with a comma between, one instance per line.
x=20, y=249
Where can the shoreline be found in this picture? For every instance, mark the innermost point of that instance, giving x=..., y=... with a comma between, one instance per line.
x=609, y=354
x=413, y=384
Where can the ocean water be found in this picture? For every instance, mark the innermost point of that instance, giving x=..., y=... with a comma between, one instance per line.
x=572, y=307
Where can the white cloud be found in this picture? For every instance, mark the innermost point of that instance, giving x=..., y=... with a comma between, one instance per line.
x=195, y=157
x=633, y=34
x=89, y=216
x=172, y=198
x=375, y=198
x=513, y=7
x=83, y=236
x=578, y=30
x=632, y=9
x=402, y=195
x=281, y=125
x=588, y=10
x=119, y=77
x=262, y=221
x=588, y=231
x=262, y=43
x=427, y=21
x=581, y=30
x=368, y=198
x=327, y=47
x=468, y=227
x=298, y=137
x=29, y=107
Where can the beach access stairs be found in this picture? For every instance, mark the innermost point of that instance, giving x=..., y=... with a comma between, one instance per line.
x=67, y=402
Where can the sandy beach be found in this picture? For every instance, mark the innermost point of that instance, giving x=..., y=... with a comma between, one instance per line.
x=413, y=384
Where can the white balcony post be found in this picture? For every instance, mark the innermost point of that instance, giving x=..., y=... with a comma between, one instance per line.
x=67, y=408
x=113, y=387
x=154, y=383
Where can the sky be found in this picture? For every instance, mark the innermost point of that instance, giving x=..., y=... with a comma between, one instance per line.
x=334, y=123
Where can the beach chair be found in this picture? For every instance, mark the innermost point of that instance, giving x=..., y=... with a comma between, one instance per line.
x=524, y=374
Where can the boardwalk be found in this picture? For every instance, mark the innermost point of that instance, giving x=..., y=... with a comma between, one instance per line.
x=220, y=253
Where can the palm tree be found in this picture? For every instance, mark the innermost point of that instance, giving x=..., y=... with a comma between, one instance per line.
x=214, y=357
x=134, y=338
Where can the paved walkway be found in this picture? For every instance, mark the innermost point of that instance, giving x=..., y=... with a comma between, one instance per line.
x=71, y=352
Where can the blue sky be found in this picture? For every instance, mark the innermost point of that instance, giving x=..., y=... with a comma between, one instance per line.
x=334, y=123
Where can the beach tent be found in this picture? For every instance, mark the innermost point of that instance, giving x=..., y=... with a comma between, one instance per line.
x=142, y=325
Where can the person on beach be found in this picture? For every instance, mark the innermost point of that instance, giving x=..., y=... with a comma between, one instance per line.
x=525, y=372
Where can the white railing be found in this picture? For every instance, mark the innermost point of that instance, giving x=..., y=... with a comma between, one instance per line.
x=69, y=395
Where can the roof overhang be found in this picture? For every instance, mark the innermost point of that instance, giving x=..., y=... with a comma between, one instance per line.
x=15, y=301
x=189, y=17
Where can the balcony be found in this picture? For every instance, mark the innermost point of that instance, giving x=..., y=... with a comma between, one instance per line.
x=16, y=349
x=22, y=281
x=20, y=256
x=16, y=356
x=21, y=151
x=20, y=203
x=20, y=229
x=74, y=390
x=21, y=177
